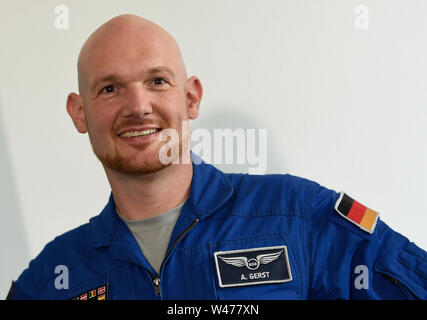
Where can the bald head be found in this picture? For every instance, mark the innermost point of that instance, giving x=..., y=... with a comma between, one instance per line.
x=126, y=39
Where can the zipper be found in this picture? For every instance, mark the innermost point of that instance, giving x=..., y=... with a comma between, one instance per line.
x=156, y=280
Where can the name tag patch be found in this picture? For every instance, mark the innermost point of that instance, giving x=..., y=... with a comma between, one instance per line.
x=252, y=266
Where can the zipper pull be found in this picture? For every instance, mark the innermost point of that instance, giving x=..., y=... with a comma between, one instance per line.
x=156, y=282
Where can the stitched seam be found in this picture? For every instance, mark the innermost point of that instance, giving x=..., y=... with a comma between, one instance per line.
x=236, y=214
x=310, y=249
x=274, y=211
x=252, y=217
x=225, y=198
x=411, y=267
x=415, y=255
x=249, y=239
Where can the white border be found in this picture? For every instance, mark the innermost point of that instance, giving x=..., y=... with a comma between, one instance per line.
x=285, y=249
x=371, y=231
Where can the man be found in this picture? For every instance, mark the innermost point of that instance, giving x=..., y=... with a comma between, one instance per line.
x=185, y=230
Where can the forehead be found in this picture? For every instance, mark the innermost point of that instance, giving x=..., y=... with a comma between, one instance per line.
x=127, y=58
x=128, y=53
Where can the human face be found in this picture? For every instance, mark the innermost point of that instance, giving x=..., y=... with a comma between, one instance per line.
x=129, y=93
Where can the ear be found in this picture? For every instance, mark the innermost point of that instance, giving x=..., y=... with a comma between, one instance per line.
x=76, y=111
x=194, y=96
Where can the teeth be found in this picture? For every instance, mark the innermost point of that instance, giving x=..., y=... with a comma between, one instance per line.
x=130, y=134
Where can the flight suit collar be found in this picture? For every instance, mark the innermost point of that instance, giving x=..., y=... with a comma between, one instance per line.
x=210, y=189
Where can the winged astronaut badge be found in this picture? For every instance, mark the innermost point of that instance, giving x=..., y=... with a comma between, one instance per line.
x=254, y=263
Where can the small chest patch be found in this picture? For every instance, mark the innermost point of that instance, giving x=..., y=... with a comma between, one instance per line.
x=99, y=293
x=252, y=266
x=356, y=213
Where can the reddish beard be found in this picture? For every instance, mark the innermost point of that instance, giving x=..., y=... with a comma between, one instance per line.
x=132, y=165
x=135, y=164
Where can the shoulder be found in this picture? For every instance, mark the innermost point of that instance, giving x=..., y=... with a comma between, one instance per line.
x=67, y=249
x=282, y=193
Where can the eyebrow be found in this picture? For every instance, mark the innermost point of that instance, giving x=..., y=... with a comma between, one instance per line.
x=112, y=77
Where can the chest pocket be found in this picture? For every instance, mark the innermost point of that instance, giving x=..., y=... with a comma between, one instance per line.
x=259, y=267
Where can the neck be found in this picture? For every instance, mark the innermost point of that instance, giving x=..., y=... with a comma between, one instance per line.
x=144, y=196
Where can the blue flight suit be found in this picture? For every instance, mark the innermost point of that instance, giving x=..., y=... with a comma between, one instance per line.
x=239, y=236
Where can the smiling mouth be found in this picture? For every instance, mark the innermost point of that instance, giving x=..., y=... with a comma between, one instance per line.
x=141, y=133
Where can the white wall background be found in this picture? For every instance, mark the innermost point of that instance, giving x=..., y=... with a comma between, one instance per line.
x=344, y=107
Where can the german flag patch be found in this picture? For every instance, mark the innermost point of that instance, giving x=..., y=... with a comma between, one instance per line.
x=357, y=213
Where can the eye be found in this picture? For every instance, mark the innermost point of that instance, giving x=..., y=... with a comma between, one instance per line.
x=108, y=89
x=159, y=81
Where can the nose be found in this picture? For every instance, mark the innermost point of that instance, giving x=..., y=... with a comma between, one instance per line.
x=137, y=102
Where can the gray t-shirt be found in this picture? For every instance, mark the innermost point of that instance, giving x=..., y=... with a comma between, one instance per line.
x=153, y=234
